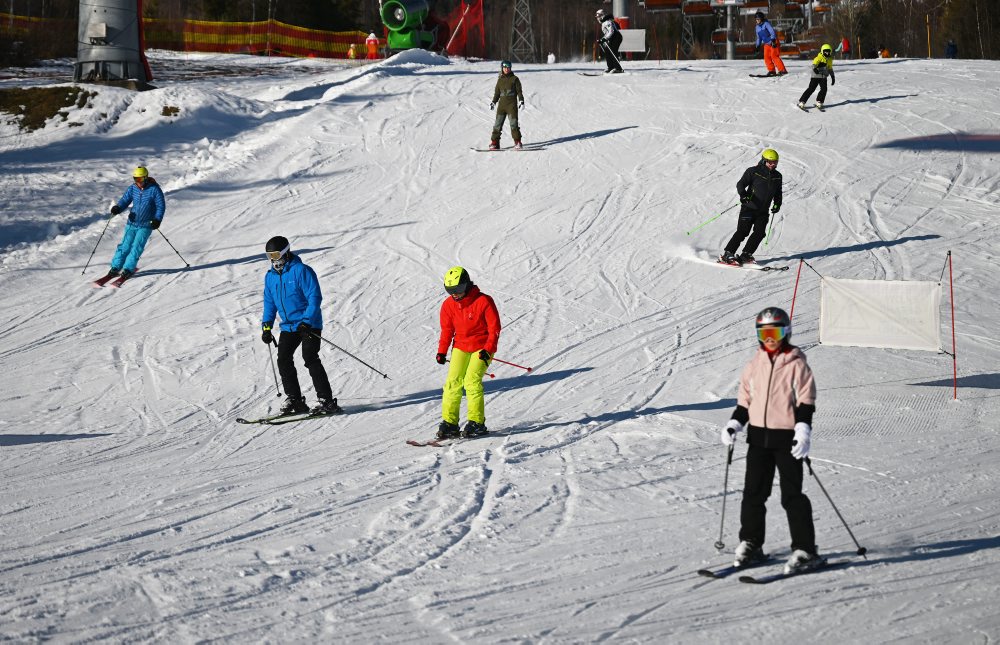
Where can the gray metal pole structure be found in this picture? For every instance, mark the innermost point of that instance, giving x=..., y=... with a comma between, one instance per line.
x=619, y=8
x=109, y=48
x=730, y=45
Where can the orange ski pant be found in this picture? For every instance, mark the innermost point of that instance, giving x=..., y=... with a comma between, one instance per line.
x=772, y=58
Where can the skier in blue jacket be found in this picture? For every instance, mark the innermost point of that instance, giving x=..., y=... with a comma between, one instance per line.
x=148, y=206
x=291, y=290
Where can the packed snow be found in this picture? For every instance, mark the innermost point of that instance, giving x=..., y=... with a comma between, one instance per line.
x=133, y=507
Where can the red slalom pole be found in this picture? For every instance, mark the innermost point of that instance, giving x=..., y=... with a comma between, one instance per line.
x=500, y=360
x=796, y=290
x=954, y=356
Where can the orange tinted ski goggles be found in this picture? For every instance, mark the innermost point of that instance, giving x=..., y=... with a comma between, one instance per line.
x=772, y=333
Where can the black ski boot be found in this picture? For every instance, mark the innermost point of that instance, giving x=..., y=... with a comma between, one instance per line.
x=327, y=406
x=473, y=429
x=447, y=430
x=294, y=405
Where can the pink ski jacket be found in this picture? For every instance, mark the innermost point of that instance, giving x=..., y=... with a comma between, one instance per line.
x=771, y=391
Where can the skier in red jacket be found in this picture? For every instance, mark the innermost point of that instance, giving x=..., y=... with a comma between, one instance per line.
x=469, y=317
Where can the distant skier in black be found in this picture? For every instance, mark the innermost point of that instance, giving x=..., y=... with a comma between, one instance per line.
x=759, y=188
x=610, y=41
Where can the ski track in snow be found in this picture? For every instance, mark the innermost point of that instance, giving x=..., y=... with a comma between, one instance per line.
x=134, y=507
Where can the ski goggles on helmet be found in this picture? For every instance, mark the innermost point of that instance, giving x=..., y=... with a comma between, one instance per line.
x=827, y=52
x=771, y=333
x=458, y=290
x=275, y=256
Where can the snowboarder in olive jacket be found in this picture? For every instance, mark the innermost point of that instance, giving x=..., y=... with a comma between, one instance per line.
x=507, y=97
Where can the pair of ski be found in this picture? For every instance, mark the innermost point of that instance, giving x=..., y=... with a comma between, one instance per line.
x=753, y=266
x=442, y=443
x=767, y=75
x=726, y=571
x=281, y=419
x=112, y=281
x=510, y=149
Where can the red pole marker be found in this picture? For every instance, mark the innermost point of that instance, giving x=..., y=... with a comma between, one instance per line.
x=500, y=360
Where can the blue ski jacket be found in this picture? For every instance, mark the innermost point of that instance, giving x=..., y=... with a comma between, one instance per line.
x=294, y=295
x=147, y=203
x=765, y=33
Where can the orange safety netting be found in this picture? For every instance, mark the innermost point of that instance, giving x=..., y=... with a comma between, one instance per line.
x=268, y=37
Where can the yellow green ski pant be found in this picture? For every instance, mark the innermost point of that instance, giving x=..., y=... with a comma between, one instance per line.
x=465, y=371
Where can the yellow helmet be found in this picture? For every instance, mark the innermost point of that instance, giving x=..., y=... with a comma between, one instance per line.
x=826, y=49
x=140, y=171
x=770, y=154
x=456, y=280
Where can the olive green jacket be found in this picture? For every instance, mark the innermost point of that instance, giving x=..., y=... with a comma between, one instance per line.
x=508, y=90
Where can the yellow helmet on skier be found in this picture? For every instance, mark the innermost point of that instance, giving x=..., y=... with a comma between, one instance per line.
x=457, y=281
x=140, y=171
x=770, y=154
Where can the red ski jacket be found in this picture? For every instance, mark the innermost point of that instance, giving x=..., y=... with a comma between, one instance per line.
x=473, y=322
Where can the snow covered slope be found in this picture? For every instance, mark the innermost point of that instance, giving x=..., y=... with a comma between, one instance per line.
x=134, y=508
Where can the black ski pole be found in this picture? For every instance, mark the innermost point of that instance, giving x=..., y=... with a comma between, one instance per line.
x=861, y=550
x=274, y=371
x=719, y=544
x=175, y=250
x=96, y=245
x=311, y=333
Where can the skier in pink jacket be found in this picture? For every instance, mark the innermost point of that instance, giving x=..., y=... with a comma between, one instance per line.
x=776, y=401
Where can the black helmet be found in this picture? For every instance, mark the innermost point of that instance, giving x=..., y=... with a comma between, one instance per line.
x=278, y=250
x=759, y=15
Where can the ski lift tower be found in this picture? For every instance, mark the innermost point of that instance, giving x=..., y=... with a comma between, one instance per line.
x=522, y=39
x=110, y=47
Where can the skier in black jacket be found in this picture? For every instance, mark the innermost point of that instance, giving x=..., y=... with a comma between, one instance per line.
x=759, y=186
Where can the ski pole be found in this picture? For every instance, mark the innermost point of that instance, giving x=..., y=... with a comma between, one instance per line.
x=719, y=544
x=499, y=360
x=709, y=221
x=769, y=229
x=274, y=371
x=315, y=335
x=175, y=250
x=607, y=49
x=861, y=550
x=95, y=246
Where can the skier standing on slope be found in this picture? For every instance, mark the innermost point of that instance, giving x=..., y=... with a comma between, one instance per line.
x=470, y=318
x=507, y=97
x=291, y=290
x=148, y=207
x=759, y=186
x=822, y=66
x=610, y=41
x=775, y=404
x=768, y=37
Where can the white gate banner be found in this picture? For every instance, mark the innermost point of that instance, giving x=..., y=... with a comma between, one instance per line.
x=880, y=313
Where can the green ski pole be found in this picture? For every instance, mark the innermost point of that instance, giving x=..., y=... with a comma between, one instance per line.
x=709, y=221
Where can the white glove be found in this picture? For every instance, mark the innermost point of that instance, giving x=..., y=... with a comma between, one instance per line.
x=800, y=449
x=728, y=434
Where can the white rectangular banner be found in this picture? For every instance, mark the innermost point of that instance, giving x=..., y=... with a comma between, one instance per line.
x=880, y=313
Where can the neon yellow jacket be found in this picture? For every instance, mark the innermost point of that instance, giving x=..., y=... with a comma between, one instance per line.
x=822, y=66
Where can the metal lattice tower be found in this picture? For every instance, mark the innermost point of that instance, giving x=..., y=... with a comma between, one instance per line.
x=687, y=36
x=522, y=39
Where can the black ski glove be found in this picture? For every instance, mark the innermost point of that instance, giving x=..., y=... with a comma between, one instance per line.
x=775, y=208
x=493, y=106
x=833, y=79
x=441, y=359
x=131, y=216
x=115, y=209
x=266, y=335
x=746, y=199
x=154, y=224
x=520, y=105
x=304, y=328
x=484, y=356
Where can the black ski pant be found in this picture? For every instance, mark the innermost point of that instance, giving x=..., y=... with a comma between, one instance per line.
x=611, y=55
x=761, y=464
x=288, y=342
x=813, y=84
x=749, y=219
